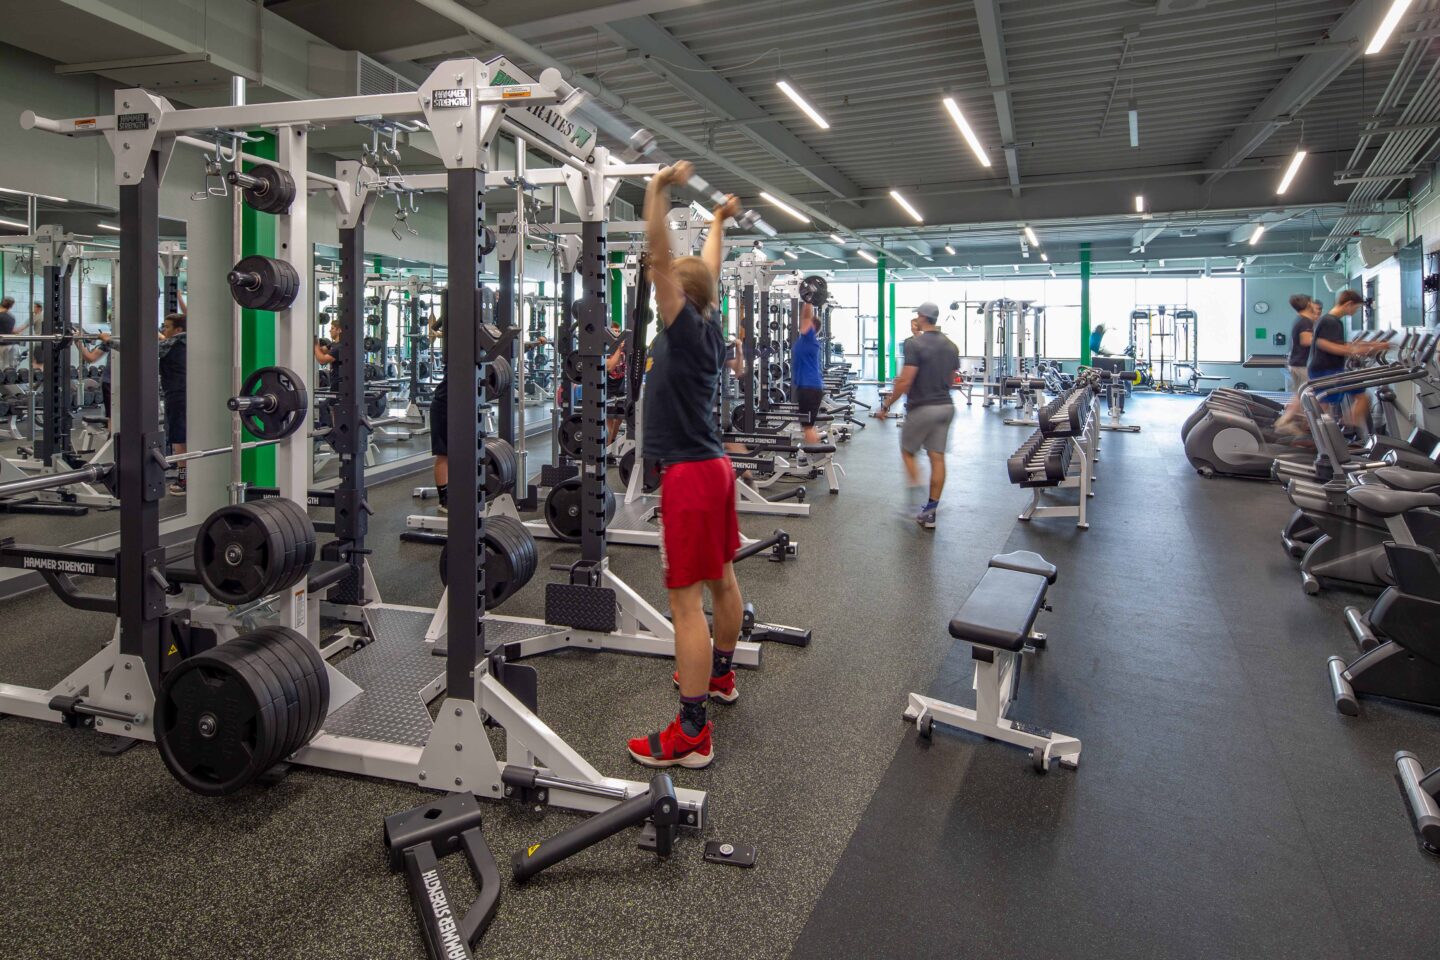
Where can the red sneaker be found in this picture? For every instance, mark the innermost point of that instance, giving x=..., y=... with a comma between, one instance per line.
x=672, y=748
x=721, y=688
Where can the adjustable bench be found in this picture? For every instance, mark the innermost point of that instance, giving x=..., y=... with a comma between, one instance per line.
x=997, y=620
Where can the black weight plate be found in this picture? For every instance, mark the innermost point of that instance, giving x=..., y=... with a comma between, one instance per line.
x=444, y=566
x=293, y=547
x=501, y=464
x=496, y=378
x=207, y=689
x=572, y=436
x=562, y=510
x=298, y=668
x=307, y=527
x=301, y=538
x=238, y=554
x=283, y=689
x=625, y=466
x=303, y=650
x=287, y=669
x=292, y=403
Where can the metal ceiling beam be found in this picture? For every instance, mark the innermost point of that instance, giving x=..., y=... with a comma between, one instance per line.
x=667, y=57
x=1144, y=235
x=591, y=17
x=993, y=41
x=1304, y=82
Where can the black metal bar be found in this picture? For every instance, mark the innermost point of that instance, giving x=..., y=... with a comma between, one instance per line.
x=658, y=802
x=747, y=325
x=466, y=438
x=593, y=340
x=505, y=318
x=763, y=350
x=413, y=346
x=140, y=444
x=565, y=321
x=639, y=344
x=350, y=430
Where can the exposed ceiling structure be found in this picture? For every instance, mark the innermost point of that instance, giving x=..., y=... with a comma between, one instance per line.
x=1080, y=106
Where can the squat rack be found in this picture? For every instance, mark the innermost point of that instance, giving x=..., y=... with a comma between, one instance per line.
x=464, y=105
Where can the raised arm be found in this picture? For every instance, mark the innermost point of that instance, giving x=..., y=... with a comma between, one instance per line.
x=669, y=296
x=714, y=252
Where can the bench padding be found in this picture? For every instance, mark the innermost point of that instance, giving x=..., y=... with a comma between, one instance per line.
x=1025, y=561
x=1000, y=610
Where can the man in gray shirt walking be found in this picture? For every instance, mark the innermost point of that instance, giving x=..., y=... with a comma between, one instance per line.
x=931, y=360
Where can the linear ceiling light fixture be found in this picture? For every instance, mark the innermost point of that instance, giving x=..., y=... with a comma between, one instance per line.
x=1387, y=26
x=792, y=254
x=838, y=239
x=965, y=131
x=1030, y=235
x=1134, y=124
x=895, y=195
x=14, y=223
x=784, y=206
x=1139, y=203
x=1291, y=170
x=949, y=249
x=799, y=101
x=107, y=226
x=865, y=256
x=1257, y=234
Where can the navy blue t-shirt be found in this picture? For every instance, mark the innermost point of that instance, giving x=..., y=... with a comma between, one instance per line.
x=682, y=390
x=1322, y=364
x=805, y=360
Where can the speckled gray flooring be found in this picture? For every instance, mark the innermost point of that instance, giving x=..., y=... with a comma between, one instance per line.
x=108, y=856
x=1222, y=807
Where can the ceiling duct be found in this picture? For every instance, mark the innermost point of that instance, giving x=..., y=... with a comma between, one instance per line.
x=349, y=73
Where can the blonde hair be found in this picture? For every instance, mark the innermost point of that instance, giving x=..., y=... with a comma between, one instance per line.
x=696, y=280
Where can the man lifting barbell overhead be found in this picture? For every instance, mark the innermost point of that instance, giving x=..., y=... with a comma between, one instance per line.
x=699, y=531
x=931, y=360
x=805, y=370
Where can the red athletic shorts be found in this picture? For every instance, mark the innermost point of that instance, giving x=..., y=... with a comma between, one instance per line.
x=699, y=532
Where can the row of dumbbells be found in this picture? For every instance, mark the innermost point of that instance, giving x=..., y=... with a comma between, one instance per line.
x=1041, y=461
x=1068, y=414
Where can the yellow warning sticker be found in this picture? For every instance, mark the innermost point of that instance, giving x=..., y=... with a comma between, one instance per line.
x=510, y=93
x=174, y=649
x=530, y=850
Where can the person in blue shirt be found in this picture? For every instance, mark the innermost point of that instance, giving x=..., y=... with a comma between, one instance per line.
x=1097, y=341
x=805, y=371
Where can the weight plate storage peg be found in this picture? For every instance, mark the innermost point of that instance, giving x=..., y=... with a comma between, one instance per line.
x=273, y=403
x=264, y=283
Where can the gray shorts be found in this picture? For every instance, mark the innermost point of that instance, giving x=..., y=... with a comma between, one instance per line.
x=1295, y=378
x=928, y=427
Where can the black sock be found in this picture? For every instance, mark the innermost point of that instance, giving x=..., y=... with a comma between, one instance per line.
x=720, y=662
x=442, y=489
x=692, y=714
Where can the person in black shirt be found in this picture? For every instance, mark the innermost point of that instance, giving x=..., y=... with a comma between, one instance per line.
x=699, y=529
x=1329, y=351
x=172, y=388
x=1307, y=310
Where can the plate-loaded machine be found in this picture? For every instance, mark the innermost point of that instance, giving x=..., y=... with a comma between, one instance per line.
x=398, y=739
x=1061, y=453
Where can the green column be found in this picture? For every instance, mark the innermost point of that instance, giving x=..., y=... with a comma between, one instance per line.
x=881, y=357
x=617, y=287
x=257, y=327
x=1085, y=304
x=725, y=312
x=894, y=351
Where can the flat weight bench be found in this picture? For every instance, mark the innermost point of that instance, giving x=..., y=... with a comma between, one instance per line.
x=997, y=620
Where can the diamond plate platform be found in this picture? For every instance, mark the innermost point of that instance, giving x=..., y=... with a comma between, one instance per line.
x=400, y=676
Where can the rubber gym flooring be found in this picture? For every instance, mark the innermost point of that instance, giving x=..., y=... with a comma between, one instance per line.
x=1222, y=807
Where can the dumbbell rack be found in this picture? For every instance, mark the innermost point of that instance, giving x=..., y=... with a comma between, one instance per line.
x=1061, y=454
